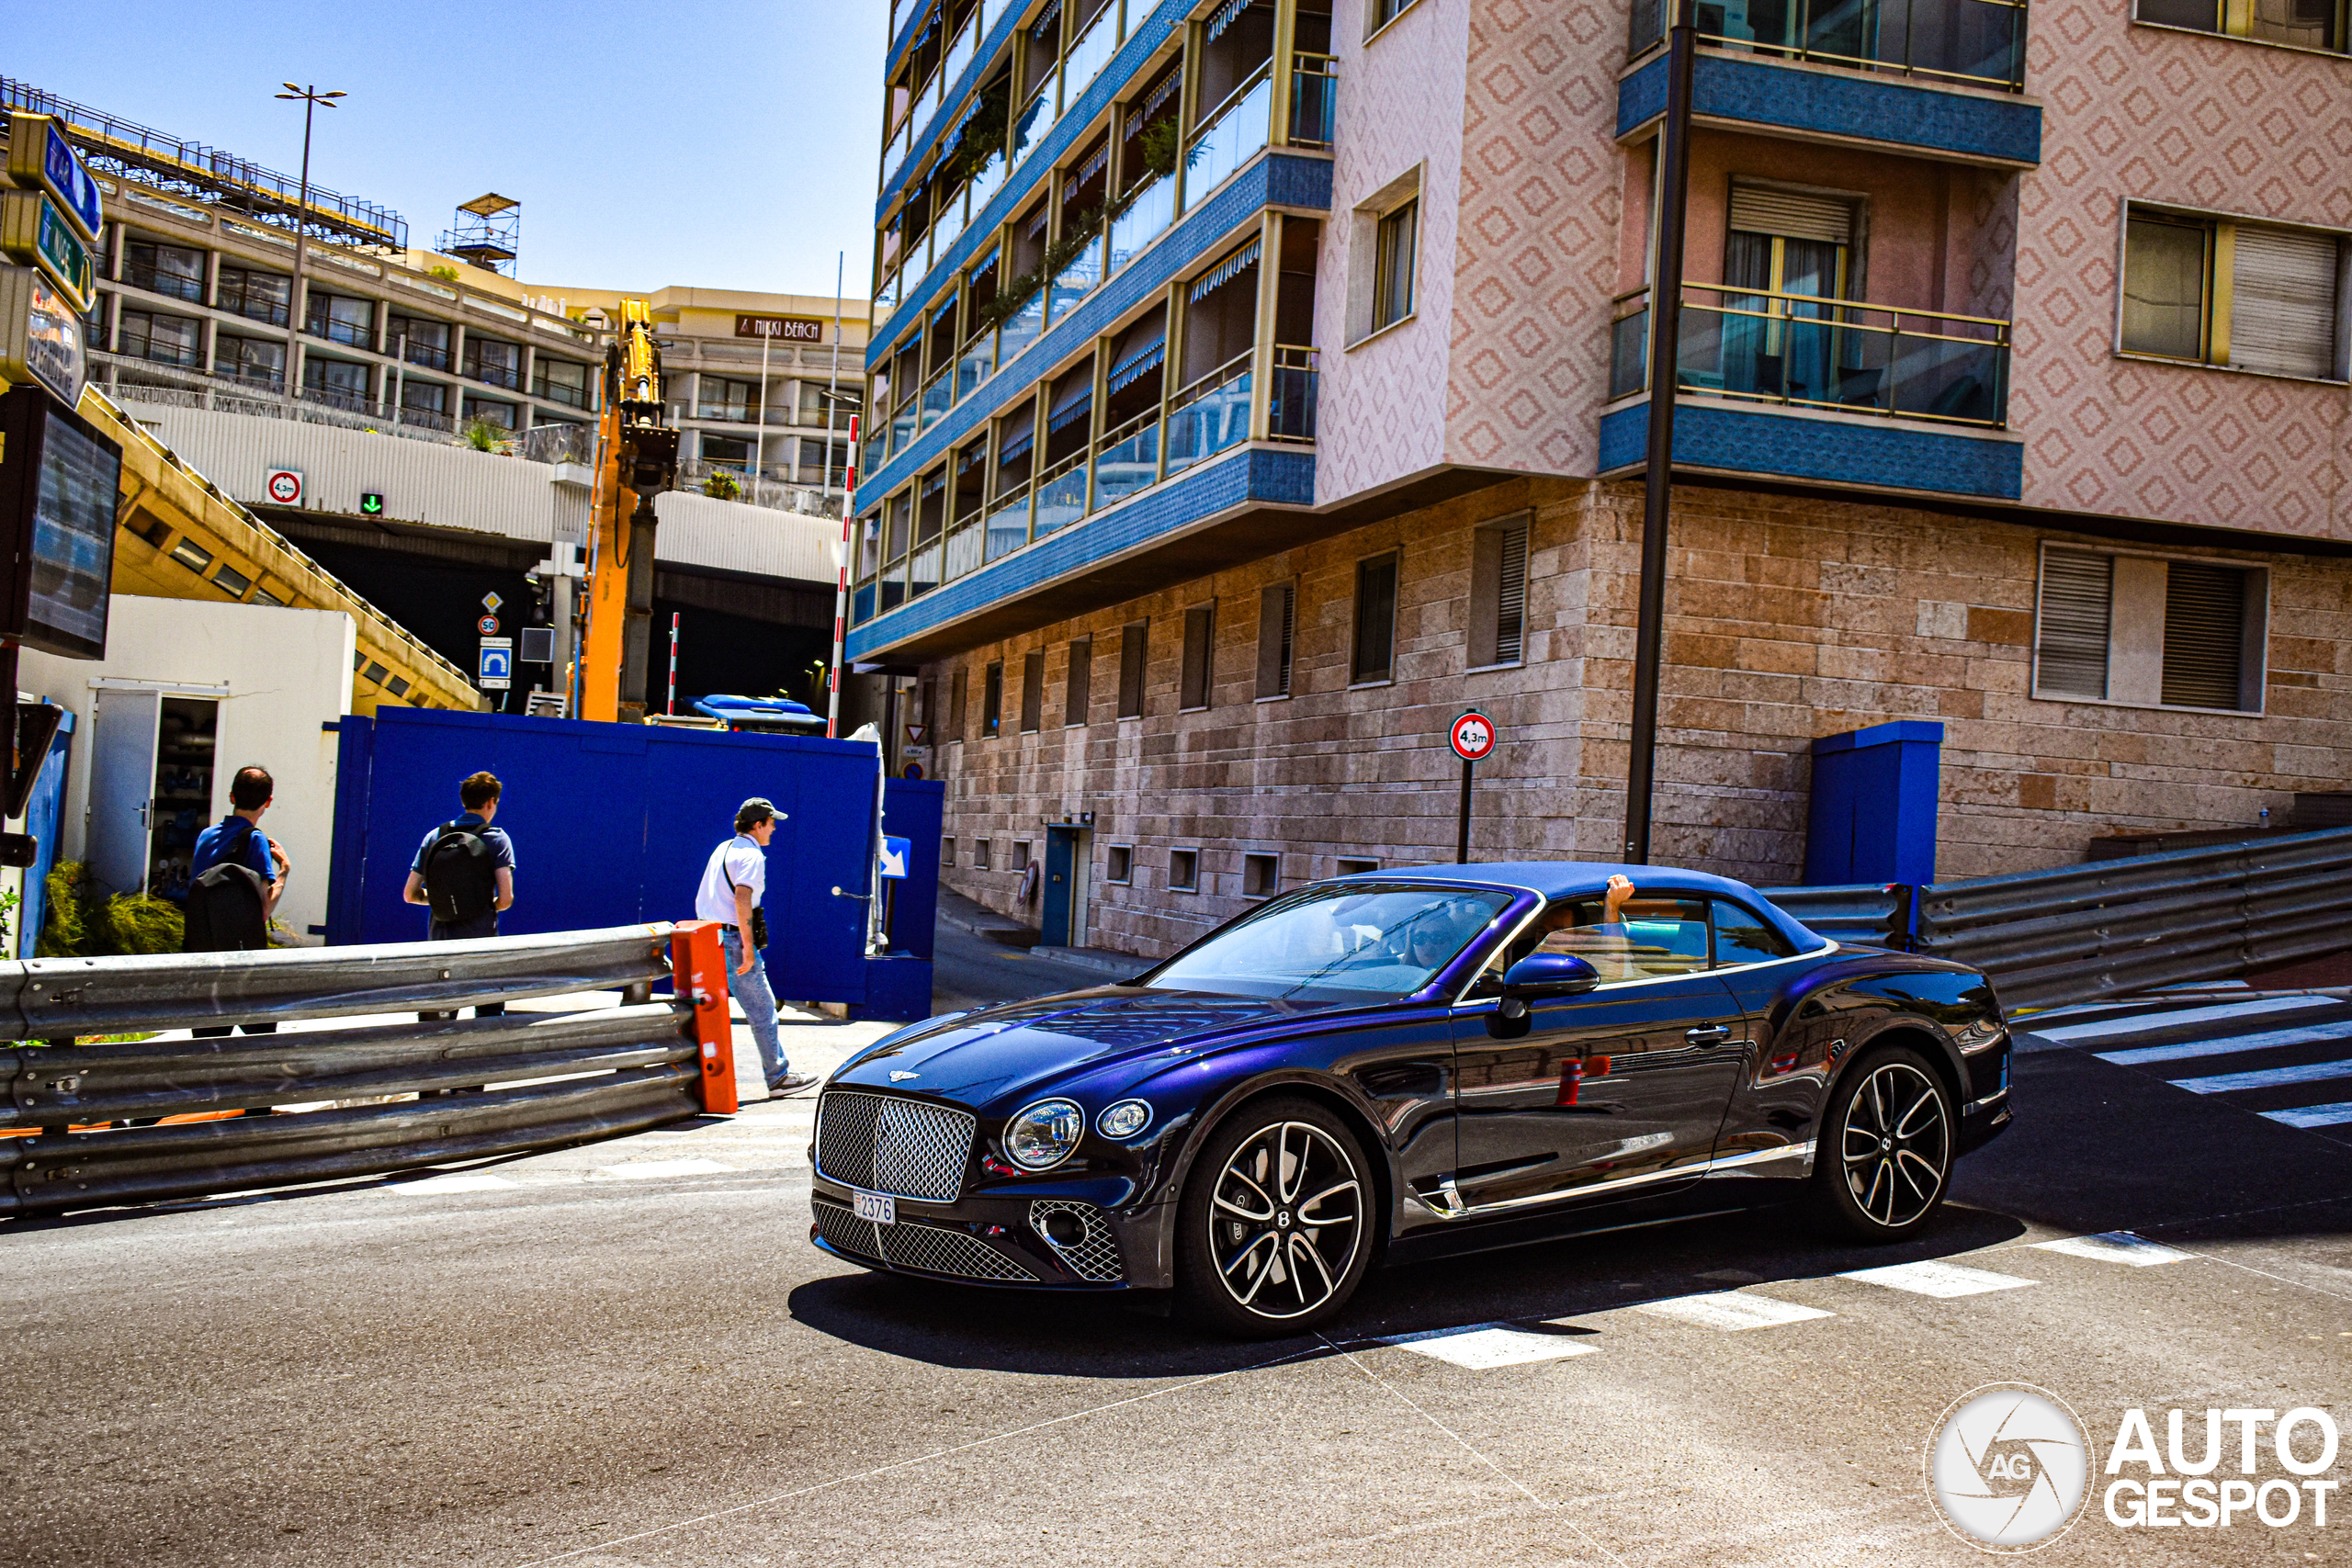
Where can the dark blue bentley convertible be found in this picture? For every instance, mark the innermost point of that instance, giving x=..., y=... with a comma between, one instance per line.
x=1398, y=1065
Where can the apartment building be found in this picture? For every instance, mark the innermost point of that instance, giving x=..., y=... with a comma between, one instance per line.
x=1260, y=383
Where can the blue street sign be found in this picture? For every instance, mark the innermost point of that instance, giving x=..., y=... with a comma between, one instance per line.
x=894, y=857
x=69, y=180
x=496, y=671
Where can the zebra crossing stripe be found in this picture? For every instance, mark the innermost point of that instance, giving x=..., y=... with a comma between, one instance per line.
x=642, y=1169
x=2272, y=1078
x=1482, y=1345
x=2315, y=1116
x=2148, y=1024
x=1732, y=1311
x=459, y=1181
x=1941, y=1281
x=2229, y=1046
x=2115, y=1246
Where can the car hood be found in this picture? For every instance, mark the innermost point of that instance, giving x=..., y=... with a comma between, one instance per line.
x=978, y=1057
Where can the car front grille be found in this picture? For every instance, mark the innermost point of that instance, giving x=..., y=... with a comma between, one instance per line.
x=934, y=1249
x=1094, y=1257
x=887, y=1143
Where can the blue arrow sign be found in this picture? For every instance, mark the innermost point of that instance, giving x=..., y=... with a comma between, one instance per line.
x=894, y=857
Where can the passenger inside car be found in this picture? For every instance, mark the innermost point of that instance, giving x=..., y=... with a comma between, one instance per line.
x=1626, y=936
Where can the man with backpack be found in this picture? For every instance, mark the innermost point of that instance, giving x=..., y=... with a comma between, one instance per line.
x=733, y=884
x=464, y=872
x=234, y=882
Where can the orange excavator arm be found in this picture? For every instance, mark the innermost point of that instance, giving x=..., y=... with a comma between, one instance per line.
x=636, y=460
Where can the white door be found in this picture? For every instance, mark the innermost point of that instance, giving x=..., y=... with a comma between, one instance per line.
x=122, y=786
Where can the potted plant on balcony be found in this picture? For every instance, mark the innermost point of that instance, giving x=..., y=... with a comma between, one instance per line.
x=722, y=485
x=486, y=435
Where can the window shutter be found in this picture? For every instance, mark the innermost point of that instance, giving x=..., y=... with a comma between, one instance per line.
x=1131, y=668
x=2077, y=600
x=2282, y=311
x=1033, y=692
x=2204, y=636
x=959, y=697
x=1080, y=693
x=1793, y=215
x=1277, y=607
x=1511, y=597
x=1198, y=638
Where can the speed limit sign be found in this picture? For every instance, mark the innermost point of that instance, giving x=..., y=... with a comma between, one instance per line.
x=1473, y=737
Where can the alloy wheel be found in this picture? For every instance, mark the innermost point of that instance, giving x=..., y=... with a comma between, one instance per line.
x=1897, y=1144
x=1285, y=1219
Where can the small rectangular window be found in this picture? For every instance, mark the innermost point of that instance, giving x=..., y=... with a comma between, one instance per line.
x=947, y=851
x=958, y=698
x=1386, y=11
x=1261, y=875
x=2164, y=288
x=1375, y=644
x=1392, y=270
x=1277, y=624
x=1132, y=651
x=1183, y=871
x=2220, y=292
x=230, y=578
x=1020, y=855
x=2078, y=599
x=1033, y=692
x=1498, y=592
x=992, y=701
x=1080, y=691
x=191, y=555
x=1119, y=865
x=1352, y=866
x=981, y=848
x=2148, y=632
x=1200, y=625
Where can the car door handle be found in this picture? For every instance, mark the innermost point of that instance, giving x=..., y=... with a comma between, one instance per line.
x=1708, y=1034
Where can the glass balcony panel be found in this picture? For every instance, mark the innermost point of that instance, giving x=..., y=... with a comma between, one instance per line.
x=1211, y=417
x=963, y=549
x=959, y=53
x=1035, y=122
x=1314, y=99
x=1629, y=344
x=902, y=425
x=894, y=588
x=1092, y=51
x=1061, y=495
x=886, y=299
x=1236, y=135
x=1128, y=462
x=1007, y=528
x=937, y=398
x=1290, y=403
x=924, y=575
x=1021, y=328
x=976, y=362
x=1145, y=217
x=1077, y=281
x=1977, y=41
x=948, y=225
x=989, y=181
x=861, y=604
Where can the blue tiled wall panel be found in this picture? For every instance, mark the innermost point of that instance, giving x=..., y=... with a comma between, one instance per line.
x=1141, y=45
x=1869, y=108
x=946, y=117
x=1287, y=477
x=1192, y=240
x=1759, y=442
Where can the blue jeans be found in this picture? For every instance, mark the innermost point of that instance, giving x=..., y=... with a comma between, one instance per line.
x=759, y=1003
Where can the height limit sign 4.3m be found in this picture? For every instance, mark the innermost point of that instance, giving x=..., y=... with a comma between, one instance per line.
x=1472, y=738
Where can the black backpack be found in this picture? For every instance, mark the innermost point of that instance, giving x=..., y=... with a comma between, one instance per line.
x=228, y=905
x=461, y=875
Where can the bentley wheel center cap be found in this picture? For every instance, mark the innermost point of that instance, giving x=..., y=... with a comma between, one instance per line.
x=1282, y=1220
x=1884, y=1144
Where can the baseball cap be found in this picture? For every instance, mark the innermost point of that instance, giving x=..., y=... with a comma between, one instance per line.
x=757, y=809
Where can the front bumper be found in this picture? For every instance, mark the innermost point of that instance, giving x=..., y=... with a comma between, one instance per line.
x=999, y=1236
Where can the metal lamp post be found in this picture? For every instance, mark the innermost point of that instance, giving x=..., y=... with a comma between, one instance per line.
x=298, y=305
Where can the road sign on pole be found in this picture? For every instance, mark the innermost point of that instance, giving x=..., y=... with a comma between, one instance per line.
x=1472, y=738
x=40, y=158
x=496, y=670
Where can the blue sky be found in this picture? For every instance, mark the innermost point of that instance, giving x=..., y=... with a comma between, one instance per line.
x=729, y=146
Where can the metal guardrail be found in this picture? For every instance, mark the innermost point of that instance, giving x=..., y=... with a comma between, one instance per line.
x=2109, y=928
x=150, y=1119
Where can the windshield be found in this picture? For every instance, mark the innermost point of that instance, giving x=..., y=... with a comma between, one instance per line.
x=1336, y=944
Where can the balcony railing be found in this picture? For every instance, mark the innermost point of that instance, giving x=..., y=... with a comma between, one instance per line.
x=1314, y=99
x=727, y=414
x=964, y=548
x=155, y=280
x=557, y=392
x=1061, y=495
x=1008, y=524
x=1076, y=281
x=507, y=376
x=1146, y=217
x=425, y=354
x=349, y=334
x=1230, y=136
x=1804, y=351
x=1127, y=460
x=1979, y=43
x=938, y=397
x=1210, y=415
x=1290, y=405
x=254, y=308
x=1092, y=51
x=1036, y=118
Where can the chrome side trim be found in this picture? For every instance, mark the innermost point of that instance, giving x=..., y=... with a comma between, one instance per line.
x=1452, y=1207
x=1973, y=1106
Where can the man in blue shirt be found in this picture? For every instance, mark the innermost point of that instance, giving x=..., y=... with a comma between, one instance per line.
x=479, y=795
x=238, y=839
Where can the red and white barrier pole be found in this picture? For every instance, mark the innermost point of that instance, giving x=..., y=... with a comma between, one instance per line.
x=671, y=706
x=841, y=591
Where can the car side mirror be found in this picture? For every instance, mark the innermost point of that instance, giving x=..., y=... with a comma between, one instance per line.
x=1549, y=974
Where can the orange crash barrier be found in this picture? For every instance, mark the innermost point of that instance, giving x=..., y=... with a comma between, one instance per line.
x=698, y=973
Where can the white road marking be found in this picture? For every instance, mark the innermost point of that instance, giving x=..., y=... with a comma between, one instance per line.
x=457, y=1183
x=2148, y=1022
x=1731, y=1309
x=2272, y=1078
x=2334, y=1115
x=1941, y=1281
x=642, y=1169
x=2231, y=1044
x=1487, y=1345
x=2115, y=1246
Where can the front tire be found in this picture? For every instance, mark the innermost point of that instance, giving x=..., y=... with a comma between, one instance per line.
x=1274, y=1229
x=1884, y=1160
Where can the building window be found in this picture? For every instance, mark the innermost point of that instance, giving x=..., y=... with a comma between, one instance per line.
x=340, y=382
x=1277, y=624
x=1079, y=692
x=2216, y=292
x=1375, y=646
x=2304, y=24
x=1119, y=865
x=560, y=381
x=980, y=854
x=259, y=360
x=1184, y=871
x=492, y=412
x=424, y=403
x=947, y=851
x=1132, y=650
x=723, y=398
x=165, y=269
x=992, y=701
x=1200, y=632
x=1019, y=855
x=1033, y=692
x=2149, y=632
x=256, y=296
x=493, y=363
x=1383, y=12
x=958, y=697
x=1350, y=866
x=1392, y=267
x=165, y=340
x=1498, y=592
x=1382, y=242
x=418, y=340
x=340, y=318
x=1261, y=875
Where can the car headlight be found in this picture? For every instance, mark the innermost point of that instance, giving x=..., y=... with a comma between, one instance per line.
x=1123, y=1120
x=1041, y=1136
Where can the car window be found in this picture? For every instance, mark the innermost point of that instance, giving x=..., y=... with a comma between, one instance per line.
x=1654, y=937
x=1742, y=936
x=1336, y=944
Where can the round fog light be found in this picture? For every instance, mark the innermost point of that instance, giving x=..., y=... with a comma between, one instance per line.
x=1123, y=1120
x=1064, y=1228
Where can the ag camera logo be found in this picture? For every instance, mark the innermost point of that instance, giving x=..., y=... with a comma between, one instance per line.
x=2009, y=1467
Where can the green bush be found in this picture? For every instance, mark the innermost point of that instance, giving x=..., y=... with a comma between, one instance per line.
x=135, y=922
x=84, y=922
x=63, y=927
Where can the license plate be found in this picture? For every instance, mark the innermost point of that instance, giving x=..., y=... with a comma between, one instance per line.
x=879, y=1207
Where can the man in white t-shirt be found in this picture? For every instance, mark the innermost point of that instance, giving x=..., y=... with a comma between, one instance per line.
x=733, y=885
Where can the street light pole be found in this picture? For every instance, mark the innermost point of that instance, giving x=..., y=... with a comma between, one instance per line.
x=296, y=305
x=833, y=381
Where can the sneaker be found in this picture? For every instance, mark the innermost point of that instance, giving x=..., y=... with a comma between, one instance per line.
x=792, y=1083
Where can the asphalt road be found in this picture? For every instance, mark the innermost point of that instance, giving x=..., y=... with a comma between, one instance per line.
x=630, y=1355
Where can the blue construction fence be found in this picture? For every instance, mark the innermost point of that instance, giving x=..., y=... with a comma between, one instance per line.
x=612, y=825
